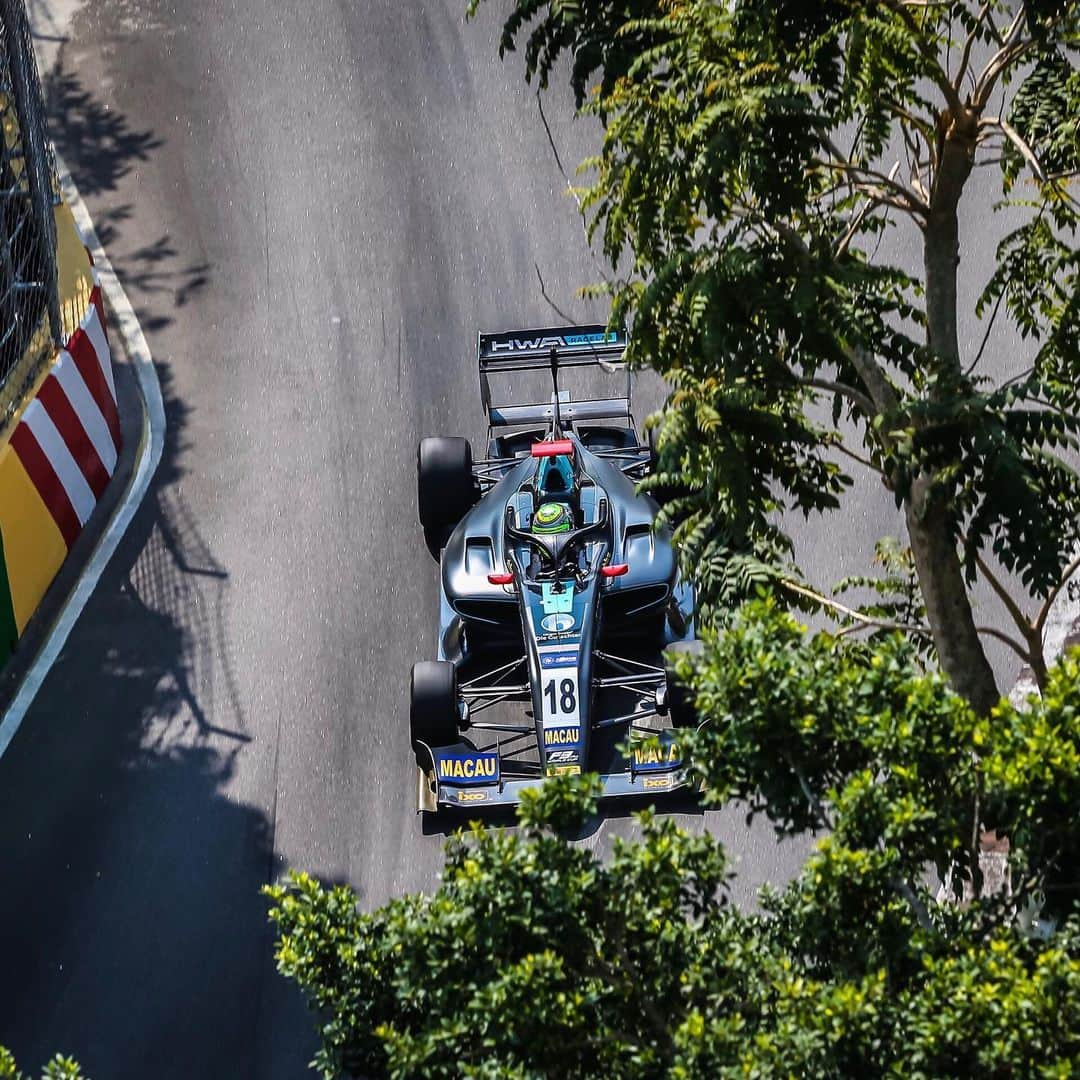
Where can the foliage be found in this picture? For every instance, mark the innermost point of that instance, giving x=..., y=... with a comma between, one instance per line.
x=858, y=739
x=60, y=1068
x=754, y=155
x=898, y=601
x=535, y=957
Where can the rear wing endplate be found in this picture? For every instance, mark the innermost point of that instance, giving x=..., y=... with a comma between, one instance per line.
x=531, y=350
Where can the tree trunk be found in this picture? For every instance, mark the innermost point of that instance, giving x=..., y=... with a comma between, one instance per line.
x=948, y=610
x=933, y=542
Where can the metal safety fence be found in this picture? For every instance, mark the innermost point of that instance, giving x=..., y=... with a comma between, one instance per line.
x=30, y=318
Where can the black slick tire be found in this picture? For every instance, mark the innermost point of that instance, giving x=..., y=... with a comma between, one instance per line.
x=433, y=706
x=680, y=703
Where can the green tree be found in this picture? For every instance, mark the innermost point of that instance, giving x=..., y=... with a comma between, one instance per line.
x=535, y=958
x=754, y=153
x=60, y=1068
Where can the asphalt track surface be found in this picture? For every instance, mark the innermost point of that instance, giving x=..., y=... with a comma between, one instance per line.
x=313, y=207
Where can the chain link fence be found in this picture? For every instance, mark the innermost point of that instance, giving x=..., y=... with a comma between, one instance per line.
x=30, y=320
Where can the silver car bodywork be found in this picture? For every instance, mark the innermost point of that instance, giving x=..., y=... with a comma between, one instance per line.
x=577, y=642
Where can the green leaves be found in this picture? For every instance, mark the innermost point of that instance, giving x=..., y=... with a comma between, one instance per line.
x=59, y=1068
x=747, y=176
x=754, y=156
x=1033, y=784
x=564, y=804
x=535, y=957
x=823, y=733
x=1000, y=1007
x=528, y=960
x=898, y=598
x=1046, y=114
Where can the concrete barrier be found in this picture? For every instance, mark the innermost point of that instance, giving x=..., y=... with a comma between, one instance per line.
x=61, y=447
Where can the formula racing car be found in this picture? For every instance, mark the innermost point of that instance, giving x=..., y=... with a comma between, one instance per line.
x=557, y=591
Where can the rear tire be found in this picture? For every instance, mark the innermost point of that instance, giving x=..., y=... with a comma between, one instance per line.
x=680, y=700
x=445, y=486
x=433, y=705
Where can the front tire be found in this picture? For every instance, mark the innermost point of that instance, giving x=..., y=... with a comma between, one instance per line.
x=433, y=705
x=680, y=699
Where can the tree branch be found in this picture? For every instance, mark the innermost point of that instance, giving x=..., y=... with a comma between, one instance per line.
x=1013, y=644
x=878, y=386
x=929, y=54
x=853, y=228
x=924, y=126
x=1012, y=50
x=915, y=165
x=880, y=195
x=815, y=803
x=554, y=307
x=976, y=834
x=856, y=397
x=659, y=1024
x=916, y=905
x=1018, y=617
x=569, y=187
x=994, y=31
x=986, y=336
x=1044, y=611
x=851, y=613
x=965, y=56
x=847, y=452
x=886, y=184
x=1019, y=377
x=1017, y=140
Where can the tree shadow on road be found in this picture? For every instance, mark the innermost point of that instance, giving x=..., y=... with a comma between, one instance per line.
x=132, y=858
x=132, y=867
x=97, y=139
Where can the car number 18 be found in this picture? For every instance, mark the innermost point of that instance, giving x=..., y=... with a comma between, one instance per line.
x=560, y=697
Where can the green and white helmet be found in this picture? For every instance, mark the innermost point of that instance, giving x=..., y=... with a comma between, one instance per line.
x=551, y=517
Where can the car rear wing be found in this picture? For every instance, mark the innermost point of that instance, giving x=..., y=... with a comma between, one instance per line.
x=553, y=349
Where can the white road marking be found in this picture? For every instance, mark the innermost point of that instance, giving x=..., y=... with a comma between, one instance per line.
x=151, y=443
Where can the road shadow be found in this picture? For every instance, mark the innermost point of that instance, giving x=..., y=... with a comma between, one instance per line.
x=135, y=936
x=132, y=870
x=448, y=821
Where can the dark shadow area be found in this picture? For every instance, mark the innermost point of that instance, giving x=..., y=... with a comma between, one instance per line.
x=675, y=802
x=135, y=936
x=447, y=821
x=101, y=147
x=130, y=870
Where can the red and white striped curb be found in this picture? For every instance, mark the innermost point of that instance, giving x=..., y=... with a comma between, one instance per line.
x=68, y=439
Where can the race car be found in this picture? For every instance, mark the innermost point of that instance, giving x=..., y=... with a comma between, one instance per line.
x=558, y=594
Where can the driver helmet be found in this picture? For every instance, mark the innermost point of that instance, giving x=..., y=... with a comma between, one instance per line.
x=551, y=517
